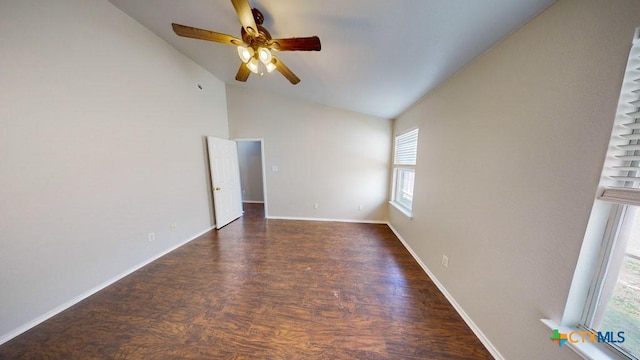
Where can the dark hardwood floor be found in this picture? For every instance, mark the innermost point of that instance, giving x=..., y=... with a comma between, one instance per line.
x=264, y=289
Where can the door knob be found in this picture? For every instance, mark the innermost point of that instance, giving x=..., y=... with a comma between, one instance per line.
x=217, y=188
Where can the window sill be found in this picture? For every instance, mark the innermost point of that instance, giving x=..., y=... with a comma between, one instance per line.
x=586, y=350
x=402, y=209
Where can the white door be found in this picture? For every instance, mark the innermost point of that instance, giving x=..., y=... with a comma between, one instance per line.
x=225, y=180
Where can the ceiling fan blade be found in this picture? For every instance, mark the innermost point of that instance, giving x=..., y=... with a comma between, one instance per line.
x=311, y=43
x=243, y=73
x=246, y=16
x=284, y=70
x=202, y=34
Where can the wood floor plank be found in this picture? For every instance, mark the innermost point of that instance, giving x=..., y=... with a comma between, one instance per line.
x=264, y=289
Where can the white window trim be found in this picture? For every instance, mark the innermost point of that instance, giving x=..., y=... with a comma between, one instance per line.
x=402, y=165
x=586, y=350
x=402, y=209
x=608, y=243
x=600, y=232
x=605, y=210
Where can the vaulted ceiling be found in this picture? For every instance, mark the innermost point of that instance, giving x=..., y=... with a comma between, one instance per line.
x=378, y=56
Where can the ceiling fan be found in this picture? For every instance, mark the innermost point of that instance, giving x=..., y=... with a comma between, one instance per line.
x=256, y=46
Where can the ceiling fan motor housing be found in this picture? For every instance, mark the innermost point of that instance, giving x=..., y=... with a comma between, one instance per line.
x=257, y=16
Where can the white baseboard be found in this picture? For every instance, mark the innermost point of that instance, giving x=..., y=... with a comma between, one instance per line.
x=476, y=330
x=327, y=220
x=11, y=334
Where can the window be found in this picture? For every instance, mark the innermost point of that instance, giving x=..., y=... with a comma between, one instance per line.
x=404, y=163
x=613, y=303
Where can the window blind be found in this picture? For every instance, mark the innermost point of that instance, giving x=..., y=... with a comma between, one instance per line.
x=622, y=166
x=406, y=149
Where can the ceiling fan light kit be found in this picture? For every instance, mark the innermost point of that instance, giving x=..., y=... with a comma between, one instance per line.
x=251, y=57
x=255, y=48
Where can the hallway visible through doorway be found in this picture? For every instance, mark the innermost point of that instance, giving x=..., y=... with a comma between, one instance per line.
x=252, y=176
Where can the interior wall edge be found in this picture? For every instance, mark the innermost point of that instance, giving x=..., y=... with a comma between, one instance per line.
x=467, y=319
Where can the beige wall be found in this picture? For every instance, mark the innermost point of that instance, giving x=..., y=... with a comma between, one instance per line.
x=101, y=143
x=509, y=158
x=335, y=158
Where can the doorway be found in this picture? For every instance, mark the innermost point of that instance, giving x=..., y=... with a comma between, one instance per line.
x=251, y=162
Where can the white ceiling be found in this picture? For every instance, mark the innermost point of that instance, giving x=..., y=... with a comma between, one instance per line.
x=378, y=56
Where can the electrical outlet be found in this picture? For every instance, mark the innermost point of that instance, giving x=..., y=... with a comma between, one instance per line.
x=445, y=261
x=151, y=236
x=361, y=207
x=174, y=227
x=315, y=205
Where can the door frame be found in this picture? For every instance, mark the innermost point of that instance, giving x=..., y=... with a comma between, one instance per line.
x=264, y=168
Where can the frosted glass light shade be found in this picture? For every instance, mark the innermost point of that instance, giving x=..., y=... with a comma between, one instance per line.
x=265, y=55
x=253, y=65
x=245, y=53
x=270, y=67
